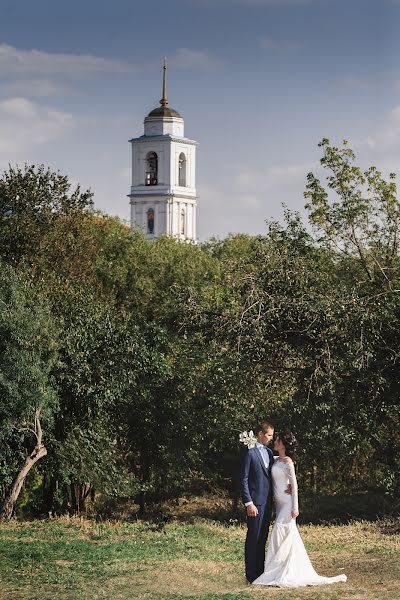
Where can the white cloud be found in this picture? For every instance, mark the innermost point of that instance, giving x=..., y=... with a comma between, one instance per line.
x=18, y=107
x=40, y=65
x=185, y=58
x=24, y=124
x=17, y=62
x=35, y=88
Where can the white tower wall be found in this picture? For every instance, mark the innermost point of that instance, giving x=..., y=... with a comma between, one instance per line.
x=163, y=188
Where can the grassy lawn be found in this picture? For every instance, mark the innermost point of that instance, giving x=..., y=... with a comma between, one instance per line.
x=67, y=559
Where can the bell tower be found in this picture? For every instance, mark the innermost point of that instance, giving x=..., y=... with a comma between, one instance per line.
x=163, y=191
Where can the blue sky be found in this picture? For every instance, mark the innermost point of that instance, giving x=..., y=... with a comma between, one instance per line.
x=258, y=82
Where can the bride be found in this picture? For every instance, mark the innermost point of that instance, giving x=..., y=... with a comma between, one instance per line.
x=287, y=563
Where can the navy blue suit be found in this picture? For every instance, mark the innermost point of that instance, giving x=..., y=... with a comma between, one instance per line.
x=256, y=488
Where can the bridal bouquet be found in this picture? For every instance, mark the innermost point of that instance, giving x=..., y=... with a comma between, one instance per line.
x=248, y=439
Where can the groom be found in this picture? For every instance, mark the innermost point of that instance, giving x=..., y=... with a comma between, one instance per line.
x=257, y=498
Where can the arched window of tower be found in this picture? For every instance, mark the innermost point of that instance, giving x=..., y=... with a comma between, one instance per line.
x=182, y=170
x=183, y=222
x=151, y=169
x=150, y=221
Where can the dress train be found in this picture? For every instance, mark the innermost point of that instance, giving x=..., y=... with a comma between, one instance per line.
x=287, y=563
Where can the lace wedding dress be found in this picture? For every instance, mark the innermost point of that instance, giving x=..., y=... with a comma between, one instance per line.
x=287, y=563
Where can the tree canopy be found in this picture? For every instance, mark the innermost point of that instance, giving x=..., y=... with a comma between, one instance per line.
x=147, y=358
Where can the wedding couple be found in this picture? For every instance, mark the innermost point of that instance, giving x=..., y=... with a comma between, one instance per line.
x=266, y=478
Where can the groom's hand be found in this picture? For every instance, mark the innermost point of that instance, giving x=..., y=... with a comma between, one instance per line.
x=252, y=510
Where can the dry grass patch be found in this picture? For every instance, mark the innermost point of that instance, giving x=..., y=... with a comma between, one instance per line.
x=192, y=577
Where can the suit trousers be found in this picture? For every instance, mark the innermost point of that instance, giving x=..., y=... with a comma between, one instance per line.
x=256, y=539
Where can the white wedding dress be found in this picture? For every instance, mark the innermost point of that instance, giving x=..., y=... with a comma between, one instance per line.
x=287, y=564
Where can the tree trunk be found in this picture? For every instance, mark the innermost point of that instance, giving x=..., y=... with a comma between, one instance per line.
x=9, y=503
x=142, y=503
x=75, y=508
x=50, y=488
x=80, y=493
x=314, y=475
x=38, y=452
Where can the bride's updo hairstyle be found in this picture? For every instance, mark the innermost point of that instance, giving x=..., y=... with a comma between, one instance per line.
x=291, y=444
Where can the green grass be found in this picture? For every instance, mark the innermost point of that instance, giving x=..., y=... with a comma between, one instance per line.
x=67, y=559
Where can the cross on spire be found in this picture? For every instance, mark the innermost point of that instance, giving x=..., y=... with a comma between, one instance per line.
x=164, y=99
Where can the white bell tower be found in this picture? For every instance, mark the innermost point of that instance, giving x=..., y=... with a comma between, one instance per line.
x=163, y=191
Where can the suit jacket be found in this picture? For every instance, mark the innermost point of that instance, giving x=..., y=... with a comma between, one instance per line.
x=255, y=478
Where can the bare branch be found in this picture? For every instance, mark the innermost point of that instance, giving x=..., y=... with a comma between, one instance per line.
x=38, y=427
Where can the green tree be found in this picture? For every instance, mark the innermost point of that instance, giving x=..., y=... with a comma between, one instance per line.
x=28, y=353
x=358, y=214
x=31, y=200
x=103, y=359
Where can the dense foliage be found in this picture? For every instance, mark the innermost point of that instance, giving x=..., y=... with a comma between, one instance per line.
x=153, y=356
x=28, y=355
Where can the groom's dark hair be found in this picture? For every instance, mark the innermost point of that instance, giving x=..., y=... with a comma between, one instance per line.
x=263, y=425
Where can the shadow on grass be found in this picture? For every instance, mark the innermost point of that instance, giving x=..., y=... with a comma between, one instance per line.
x=391, y=527
x=219, y=507
x=322, y=510
x=342, y=509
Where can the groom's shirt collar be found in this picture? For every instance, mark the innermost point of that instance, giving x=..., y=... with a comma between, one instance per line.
x=258, y=445
x=264, y=454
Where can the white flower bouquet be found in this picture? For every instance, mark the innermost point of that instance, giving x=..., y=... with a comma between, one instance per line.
x=248, y=439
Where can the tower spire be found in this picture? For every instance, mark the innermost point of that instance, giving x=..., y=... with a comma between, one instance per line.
x=164, y=99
